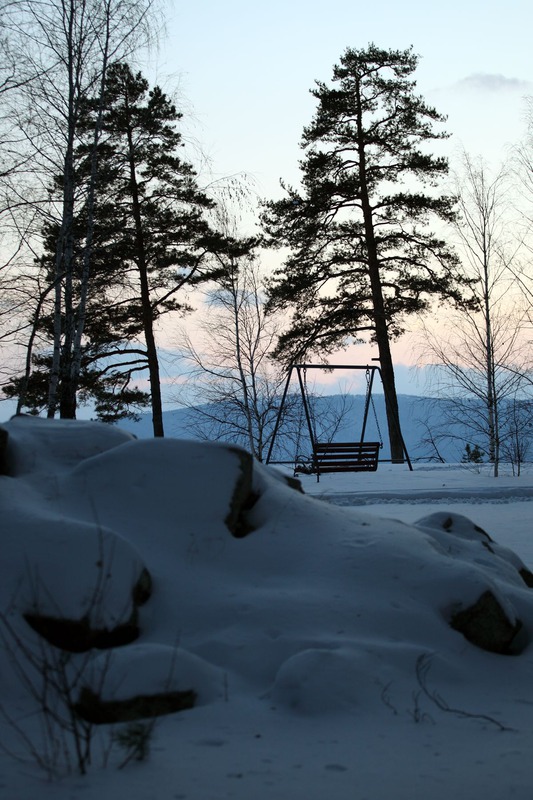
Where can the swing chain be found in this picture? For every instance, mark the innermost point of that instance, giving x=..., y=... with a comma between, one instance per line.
x=374, y=409
x=311, y=413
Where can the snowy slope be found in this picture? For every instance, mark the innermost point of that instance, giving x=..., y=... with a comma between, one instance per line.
x=316, y=635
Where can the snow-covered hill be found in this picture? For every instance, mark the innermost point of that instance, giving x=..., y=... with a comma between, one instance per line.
x=316, y=650
x=428, y=433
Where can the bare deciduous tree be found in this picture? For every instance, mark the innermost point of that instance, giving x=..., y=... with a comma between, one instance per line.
x=64, y=49
x=235, y=386
x=483, y=355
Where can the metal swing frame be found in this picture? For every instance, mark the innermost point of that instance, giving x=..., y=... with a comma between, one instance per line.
x=360, y=463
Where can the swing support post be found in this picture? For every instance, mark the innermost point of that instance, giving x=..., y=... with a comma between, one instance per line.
x=278, y=418
x=370, y=371
x=369, y=385
x=305, y=402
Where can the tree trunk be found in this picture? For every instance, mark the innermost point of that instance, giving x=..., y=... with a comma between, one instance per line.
x=63, y=287
x=391, y=400
x=73, y=379
x=147, y=313
x=237, y=294
x=379, y=317
x=63, y=313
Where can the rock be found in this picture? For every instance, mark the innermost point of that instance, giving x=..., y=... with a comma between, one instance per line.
x=37, y=444
x=486, y=625
x=294, y=483
x=455, y=524
x=455, y=532
x=104, y=712
x=243, y=497
x=321, y=680
x=78, y=636
x=83, y=634
x=527, y=576
x=142, y=590
x=146, y=680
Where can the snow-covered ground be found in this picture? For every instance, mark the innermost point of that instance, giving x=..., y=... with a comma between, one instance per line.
x=503, y=506
x=317, y=639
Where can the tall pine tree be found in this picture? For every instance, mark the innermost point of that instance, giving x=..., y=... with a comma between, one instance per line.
x=150, y=238
x=361, y=255
x=159, y=231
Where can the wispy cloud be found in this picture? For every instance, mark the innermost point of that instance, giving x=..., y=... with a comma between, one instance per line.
x=490, y=82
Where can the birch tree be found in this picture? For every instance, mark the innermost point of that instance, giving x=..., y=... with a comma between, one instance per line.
x=151, y=242
x=67, y=47
x=233, y=388
x=482, y=357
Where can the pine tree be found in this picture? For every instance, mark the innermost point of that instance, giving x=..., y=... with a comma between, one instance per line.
x=159, y=232
x=110, y=354
x=361, y=255
x=150, y=238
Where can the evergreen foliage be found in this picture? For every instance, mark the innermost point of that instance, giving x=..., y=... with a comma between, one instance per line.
x=150, y=238
x=472, y=455
x=362, y=257
x=150, y=211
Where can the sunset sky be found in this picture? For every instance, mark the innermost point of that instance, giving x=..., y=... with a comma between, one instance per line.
x=241, y=73
x=244, y=70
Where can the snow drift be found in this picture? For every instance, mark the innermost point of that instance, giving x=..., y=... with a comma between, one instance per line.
x=231, y=584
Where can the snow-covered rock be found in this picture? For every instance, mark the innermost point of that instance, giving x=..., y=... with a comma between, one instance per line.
x=308, y=605
x=145, y=681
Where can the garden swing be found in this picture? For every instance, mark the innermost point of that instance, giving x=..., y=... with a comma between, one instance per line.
x=353, y=456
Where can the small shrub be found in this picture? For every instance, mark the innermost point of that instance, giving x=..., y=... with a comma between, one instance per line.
x=134, y=739
x=473, y=455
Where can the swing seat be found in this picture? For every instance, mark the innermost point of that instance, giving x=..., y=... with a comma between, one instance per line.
x=345, y=457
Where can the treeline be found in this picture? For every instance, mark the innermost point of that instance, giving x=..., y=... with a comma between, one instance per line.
x=108, y=208
x=106, y=230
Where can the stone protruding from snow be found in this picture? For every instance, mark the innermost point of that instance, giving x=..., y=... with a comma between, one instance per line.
x=302, y=603
x=3, y=450
x=146, y=681
x=459, y=535
x=86, y=633
x=487, y=625
x=102, y=578
x=243, y=498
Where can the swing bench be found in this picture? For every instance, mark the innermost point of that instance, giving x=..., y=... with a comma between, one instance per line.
x=357, y=456
x=345, y=457
x=332, y=456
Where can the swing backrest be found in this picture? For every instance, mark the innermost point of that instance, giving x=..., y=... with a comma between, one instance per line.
x=345, y=457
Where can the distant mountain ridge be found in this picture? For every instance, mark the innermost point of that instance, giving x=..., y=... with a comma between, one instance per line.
x=427, y=433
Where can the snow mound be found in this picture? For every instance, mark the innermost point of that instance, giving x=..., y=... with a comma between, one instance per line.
x=315, y=608
x=41, y=445
x=130, y=671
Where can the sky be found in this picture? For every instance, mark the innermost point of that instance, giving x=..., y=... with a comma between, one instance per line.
x=243, y=72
